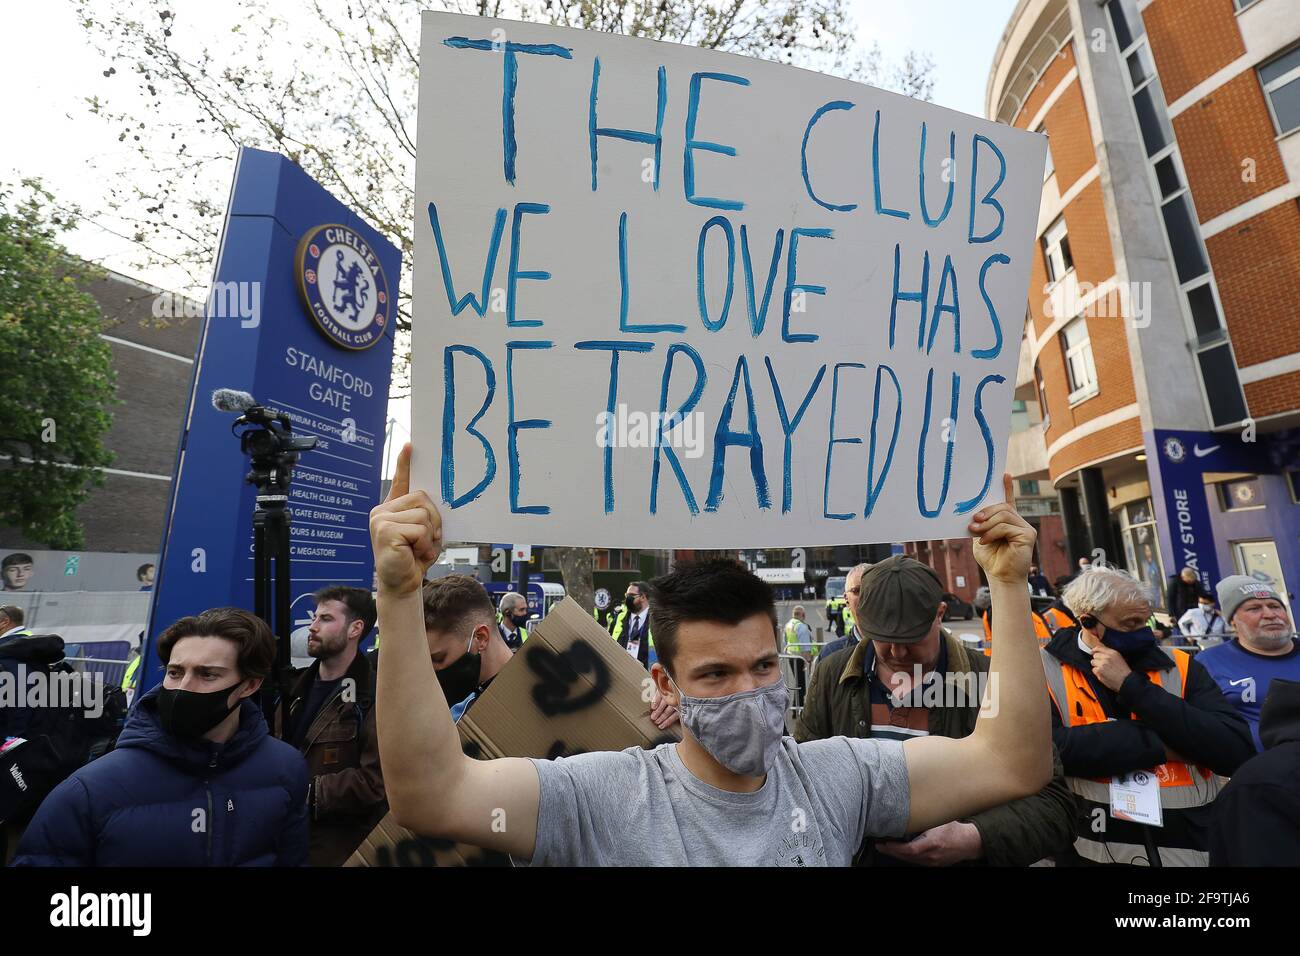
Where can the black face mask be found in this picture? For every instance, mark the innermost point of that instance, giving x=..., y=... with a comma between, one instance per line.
x=461, y=677
x=630, y=601
x=519, y=620
x=189, y=714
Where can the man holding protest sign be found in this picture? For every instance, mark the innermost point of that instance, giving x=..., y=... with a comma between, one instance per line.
x=705, y=800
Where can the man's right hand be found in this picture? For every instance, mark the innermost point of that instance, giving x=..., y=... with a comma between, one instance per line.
x=405, y=532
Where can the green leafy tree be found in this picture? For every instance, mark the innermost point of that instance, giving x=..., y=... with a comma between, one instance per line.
x=57, y=373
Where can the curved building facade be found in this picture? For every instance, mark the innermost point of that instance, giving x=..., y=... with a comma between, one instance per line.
x=1160, y=368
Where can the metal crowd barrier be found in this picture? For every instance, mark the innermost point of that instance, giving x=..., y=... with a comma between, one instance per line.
x=111, y=667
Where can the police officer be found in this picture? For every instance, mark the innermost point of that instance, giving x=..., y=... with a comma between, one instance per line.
x=798, y=636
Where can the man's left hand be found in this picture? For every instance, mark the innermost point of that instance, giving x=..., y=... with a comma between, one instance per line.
x=1109, y=667
x=941, y=846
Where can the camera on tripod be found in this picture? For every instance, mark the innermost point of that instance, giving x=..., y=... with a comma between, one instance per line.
x=268, y=439
x=272, y=447
x=273, y=450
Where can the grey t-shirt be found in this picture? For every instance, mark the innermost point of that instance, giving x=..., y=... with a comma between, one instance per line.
x=644, y=808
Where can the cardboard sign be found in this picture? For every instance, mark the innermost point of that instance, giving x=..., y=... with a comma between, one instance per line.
x=668, y=297
x=571, y=689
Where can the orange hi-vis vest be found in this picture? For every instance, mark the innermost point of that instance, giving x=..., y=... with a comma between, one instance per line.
x=1077, y=705
x=1041, y=632
x=1183, y=786
x=1057, y=619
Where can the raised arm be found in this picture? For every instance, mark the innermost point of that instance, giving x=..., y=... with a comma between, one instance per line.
x=1009, y=755
x=433, y=788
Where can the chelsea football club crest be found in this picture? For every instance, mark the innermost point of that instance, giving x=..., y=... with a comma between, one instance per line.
x=343, y=286
x=1174, y=450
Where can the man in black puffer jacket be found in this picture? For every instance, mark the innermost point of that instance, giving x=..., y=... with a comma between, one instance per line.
x=196, y=779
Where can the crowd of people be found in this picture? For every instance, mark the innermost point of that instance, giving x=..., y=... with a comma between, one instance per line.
x=911, y=747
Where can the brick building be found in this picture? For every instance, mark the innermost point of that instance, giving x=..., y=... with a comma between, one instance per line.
x=1160, y=368
x=153, y=358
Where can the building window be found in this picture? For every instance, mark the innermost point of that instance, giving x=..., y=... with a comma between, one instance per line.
x=1222, y=386
x=1028, y=488
x=1056, y=251
x=1078, y=360
x=1127, y=23
x=1205, y=315
x=1280, y=78
x=1140, y=65
x=1243, y=4
x=1184, y=239
x=1167, y=177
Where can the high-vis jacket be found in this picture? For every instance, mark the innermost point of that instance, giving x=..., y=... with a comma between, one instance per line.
x=647, y=645
x=520, y=635
x=1057, y=618
x=839, y=616
x=1041, y=631
x=1168, y=704
x=794, y=644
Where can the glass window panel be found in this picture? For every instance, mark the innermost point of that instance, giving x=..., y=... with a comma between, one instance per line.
x=1284, y=64
x=1140, y=65
x=1151, y=119
x=1167, y=175
x=1205, y=314
x=1222, y=388
x=1124, y=30
x=1184, y=239
x=1286, y=106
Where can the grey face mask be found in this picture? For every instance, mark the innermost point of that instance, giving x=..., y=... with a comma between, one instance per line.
x=742, y=731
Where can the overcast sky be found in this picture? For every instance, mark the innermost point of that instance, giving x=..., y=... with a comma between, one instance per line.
x=47, y=69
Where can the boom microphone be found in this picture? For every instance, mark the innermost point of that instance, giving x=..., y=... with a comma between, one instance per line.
x=232, y=400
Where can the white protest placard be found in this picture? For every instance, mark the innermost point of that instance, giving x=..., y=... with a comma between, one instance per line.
x=673, y=298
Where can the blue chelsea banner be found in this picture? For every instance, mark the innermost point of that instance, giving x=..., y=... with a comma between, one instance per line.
x=301, y=316
x=1182, y=458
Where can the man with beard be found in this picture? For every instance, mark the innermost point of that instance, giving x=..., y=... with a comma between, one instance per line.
x=1265, y=647
x=632, y=626
x=332, y=722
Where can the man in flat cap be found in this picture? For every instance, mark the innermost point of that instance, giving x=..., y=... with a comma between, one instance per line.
x=910, y=677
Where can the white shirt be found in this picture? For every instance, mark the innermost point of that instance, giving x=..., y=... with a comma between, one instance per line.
x=1197, y=622
x=636, y=621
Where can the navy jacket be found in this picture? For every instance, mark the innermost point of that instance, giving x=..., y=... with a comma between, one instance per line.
x=158, y=800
